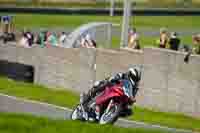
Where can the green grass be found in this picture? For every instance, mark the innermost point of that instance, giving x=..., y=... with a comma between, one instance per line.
x=69, y=99
x=15, y=123
x=167, y=119
x=115, y=42
x=73, y=21
x=39, y=93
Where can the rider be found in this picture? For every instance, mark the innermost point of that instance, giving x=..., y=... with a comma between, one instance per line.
x=130, y=81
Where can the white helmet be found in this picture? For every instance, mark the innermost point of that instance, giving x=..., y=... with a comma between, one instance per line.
x=134, y=74
x=96, y=83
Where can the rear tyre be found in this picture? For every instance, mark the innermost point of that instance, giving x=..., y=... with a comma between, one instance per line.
x=79, y=114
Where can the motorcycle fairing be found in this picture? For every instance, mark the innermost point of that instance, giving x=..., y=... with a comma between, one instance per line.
x=110, y=92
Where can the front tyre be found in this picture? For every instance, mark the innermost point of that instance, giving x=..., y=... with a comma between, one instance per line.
x=110, y=116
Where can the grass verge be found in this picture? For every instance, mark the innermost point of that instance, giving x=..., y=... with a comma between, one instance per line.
x=68, y=99
x=174, y=120
x=73, y=21
x=13, y=123
x=39, y=93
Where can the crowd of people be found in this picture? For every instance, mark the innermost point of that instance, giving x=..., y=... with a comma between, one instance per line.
x=43, y=39
x=47, y=39
x=166, y=40
x=173, y=42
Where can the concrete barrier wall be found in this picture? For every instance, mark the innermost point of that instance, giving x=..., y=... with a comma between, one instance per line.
x=55, y=67
x=110, y=62
x=168, y=83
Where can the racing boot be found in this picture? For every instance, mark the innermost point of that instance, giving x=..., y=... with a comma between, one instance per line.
x=97, y=112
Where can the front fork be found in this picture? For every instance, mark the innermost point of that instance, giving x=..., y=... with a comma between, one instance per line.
x=109, y=106
x=98, y=110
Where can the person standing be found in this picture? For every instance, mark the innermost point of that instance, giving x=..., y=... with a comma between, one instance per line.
x=163, y=38
x=196, y=41
x=174, y=41
x=133, y=39
x=41, y=39
x=29, y=37
x=63, y=38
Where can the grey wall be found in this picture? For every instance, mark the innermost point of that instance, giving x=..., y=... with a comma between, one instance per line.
x=168, y=84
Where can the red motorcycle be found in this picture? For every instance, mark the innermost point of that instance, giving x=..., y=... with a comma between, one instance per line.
x=112, y=101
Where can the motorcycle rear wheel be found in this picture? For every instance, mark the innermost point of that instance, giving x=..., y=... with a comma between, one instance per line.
x=74, y=114
x=79, y=114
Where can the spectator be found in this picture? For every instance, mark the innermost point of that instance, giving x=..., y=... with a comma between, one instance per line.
x=196, y=41
x=5, y=37
x=174, y=41
x=51, y=39
x=133, y=39
x=62, y=38
x=88, y=42
x=41, y=39
x=163, y=38
x=83, y=44
x=23, y=41
x=30, y=38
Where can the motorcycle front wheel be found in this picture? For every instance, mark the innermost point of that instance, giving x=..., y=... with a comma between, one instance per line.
x=110, y=116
